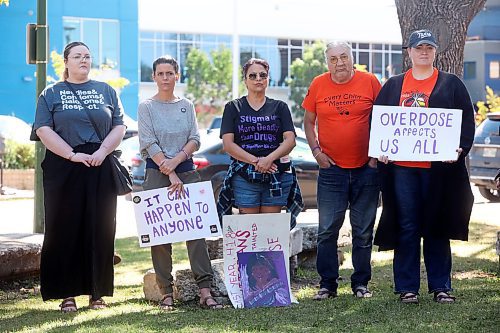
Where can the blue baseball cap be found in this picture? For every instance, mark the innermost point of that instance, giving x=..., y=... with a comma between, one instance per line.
x=420, y=37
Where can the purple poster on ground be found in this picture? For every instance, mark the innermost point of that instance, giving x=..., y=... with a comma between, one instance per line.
x=263, y=279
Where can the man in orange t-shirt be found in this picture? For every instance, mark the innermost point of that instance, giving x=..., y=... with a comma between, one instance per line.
x=340, y=103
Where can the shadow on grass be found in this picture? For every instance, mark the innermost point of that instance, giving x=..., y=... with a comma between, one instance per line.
x=475, y=310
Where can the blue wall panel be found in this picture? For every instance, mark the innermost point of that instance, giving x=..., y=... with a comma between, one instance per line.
x=18, y=84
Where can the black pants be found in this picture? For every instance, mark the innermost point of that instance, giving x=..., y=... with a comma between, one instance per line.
x=80, y=210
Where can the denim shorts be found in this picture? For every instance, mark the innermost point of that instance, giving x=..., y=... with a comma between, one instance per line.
x=248, y=195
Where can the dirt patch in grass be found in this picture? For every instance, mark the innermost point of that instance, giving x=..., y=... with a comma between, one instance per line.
x=468, y=275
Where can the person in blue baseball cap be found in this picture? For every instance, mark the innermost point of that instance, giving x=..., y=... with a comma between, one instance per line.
x=425, y=200
x=421, y=37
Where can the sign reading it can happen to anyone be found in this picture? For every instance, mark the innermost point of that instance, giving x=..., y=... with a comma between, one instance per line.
x=415, y=134
x=252, y=233
x=163, y=217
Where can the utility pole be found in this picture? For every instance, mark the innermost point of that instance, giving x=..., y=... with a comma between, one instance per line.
x=41, y=82
x=236, y=52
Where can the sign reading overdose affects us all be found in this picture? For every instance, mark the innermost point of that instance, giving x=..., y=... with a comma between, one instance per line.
x=252, y=233
x=164, y=217
x=415, y=134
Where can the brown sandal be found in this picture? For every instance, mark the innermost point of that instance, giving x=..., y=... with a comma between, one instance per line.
x=167, y=302
x=68, y=305
x=97, y=304
x=444, y=297
x=324, y=293
x=214, y=306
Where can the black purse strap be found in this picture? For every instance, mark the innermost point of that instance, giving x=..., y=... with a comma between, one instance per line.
x=87, y=112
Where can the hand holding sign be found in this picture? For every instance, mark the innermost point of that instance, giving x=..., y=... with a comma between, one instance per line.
x=164, y=216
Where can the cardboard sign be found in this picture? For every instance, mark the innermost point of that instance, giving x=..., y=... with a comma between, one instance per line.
x=164, y=218
x=415, y=133
x=252, y=233
x=264, y=279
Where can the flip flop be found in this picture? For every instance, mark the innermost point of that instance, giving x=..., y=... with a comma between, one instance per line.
x=443, y=297
x=214, y=306
x=408, y=298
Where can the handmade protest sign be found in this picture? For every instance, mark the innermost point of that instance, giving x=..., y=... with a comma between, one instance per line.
x=264, y=279
x=252, y=233
x=164, y=217
x=415, y=134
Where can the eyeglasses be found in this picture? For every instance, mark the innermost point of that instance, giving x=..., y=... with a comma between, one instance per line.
x=335, y=60
x=80, y=58
x=253, y=76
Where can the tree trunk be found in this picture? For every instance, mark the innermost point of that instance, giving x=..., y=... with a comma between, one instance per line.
x=447, y=19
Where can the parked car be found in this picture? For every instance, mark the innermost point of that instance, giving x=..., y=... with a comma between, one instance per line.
x=484, y=157
x=15, y=129
x=129, y=148
x=212, y=163
x=215, y=125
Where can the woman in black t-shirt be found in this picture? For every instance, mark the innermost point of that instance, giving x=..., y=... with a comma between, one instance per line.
x=258, y=133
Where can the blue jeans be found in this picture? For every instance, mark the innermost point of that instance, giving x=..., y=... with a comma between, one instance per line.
x=411, y=188
x=339, y=189
x=248, y=194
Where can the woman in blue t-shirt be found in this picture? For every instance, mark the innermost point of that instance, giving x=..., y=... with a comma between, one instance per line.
x=79, y=193
x=258, y=133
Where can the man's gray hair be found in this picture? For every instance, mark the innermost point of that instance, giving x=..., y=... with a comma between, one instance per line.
x=341, y=43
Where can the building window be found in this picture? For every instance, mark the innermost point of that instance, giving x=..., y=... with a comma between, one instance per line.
x=384, y=60
x=469, y=70
x=495, y=69
x=102, y=36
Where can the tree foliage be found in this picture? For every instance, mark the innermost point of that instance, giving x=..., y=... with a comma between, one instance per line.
x=19, y=155
x=57, y=61
x=492, y=104
x=302, y=72
x=209, y=80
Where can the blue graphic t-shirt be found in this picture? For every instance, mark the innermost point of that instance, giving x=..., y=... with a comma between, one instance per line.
x=257, y=132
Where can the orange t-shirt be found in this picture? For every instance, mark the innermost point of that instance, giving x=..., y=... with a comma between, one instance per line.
x=415, y=93
x=343, y=116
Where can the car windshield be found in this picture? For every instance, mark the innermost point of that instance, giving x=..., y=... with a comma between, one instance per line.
x=130, y=144
x=489, y=127
x=12, y=128
x=302, y=151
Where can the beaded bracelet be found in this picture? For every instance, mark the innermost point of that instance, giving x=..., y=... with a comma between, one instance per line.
x=314, y=148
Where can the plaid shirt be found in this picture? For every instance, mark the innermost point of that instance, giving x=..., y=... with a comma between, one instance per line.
x=225, y=203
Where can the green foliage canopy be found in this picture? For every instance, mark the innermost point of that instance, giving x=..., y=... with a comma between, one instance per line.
x=19, y=155
x=209, y=79
x=492, y=104
x=57, y=61
x=303, y=71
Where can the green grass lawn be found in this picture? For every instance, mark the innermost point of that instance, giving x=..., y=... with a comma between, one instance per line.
x=474, y=279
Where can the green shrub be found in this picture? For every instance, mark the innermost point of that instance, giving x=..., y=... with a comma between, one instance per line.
x=19, y=155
